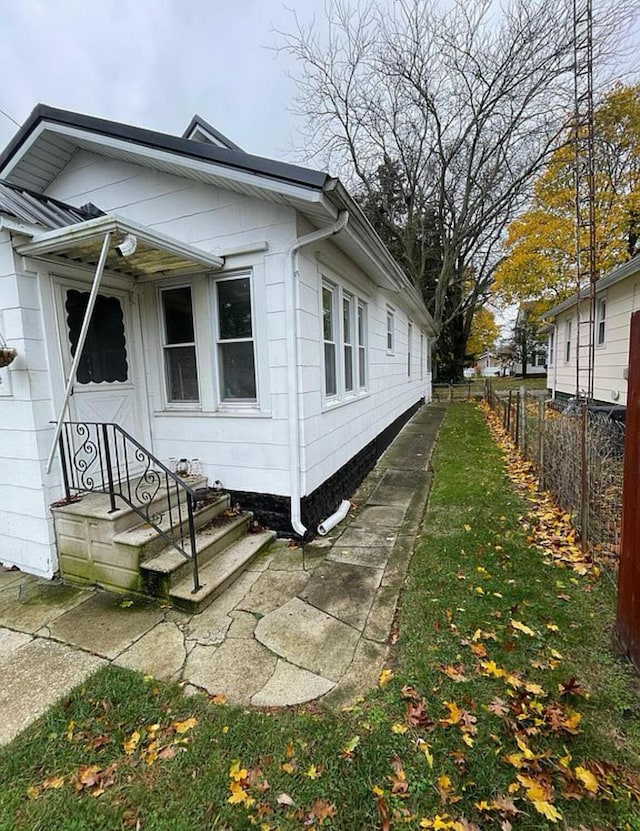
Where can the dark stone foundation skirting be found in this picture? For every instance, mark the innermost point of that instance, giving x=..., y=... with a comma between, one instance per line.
x=274, y=511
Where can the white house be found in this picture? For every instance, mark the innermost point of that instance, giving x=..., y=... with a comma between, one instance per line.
x=617, y=296
x=246, y=315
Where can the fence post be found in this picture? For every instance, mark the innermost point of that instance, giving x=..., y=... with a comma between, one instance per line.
x=523, y=426
x=541, y=423
x=509, y=413
x=517, y=424
x=584, y=479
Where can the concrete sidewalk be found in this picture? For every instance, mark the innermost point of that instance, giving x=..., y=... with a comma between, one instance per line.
x=298, y=625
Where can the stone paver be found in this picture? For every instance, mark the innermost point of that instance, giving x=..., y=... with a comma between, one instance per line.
x=161, y=653
x=34, y=677
x=105, y=625
x=237, y=669
x=309, y=638
x=344, y=591
x=360, y=534
x=10, y=640
x=272, y=589
x=30, y=605
x=291, y=685
x=361, y=676
x=359, y=556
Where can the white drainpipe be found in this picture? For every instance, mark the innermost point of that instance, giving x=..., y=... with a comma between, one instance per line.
x=293, y=383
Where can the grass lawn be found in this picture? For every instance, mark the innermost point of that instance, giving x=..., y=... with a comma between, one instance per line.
x=503, y=707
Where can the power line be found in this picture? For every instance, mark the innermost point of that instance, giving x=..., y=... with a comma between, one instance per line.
x=17, y=123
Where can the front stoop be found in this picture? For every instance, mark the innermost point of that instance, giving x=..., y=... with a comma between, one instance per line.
x=118, y=552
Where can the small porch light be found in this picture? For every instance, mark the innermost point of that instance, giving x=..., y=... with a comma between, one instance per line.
x=128, y=246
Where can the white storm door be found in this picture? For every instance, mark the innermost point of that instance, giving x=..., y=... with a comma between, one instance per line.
x=105, y=385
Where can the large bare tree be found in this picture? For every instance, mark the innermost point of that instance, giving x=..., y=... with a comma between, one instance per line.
x=440, y=115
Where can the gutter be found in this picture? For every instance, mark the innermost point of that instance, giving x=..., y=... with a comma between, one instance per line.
x=293, y=373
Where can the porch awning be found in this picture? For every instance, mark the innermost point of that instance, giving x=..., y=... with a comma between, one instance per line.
x=155, y=253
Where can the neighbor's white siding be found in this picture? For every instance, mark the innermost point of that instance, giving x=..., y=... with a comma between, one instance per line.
x=26, y=527
x=611, y=358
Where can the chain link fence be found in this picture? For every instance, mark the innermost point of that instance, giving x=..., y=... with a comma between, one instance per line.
x=578, y=456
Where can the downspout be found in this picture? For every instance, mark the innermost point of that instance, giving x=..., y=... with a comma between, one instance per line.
x=293, y=382
x=80, y=345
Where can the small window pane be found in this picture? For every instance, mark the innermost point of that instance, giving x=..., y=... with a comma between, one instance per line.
x=104, y=355
x=238, y=374
x=348, y=368
x=327, y=313
x=362, y=367
x=182, y=376
x=330, y=369
x=178, y=316
x=234, y=308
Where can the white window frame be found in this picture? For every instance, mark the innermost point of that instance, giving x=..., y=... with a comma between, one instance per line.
x=551, y=347
x=233, y=403
x=390, y=331
x=362, y=362
x=567, y=341
x=421, y=356
x=327, y=286
x=601, y=321
x=409, y=345
x=348, y=304
x=187, y=404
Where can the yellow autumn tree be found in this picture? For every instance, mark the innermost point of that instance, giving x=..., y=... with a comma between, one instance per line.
x=484, y=332
x=540, y=245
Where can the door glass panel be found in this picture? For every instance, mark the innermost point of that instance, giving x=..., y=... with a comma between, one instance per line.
x=104, y=356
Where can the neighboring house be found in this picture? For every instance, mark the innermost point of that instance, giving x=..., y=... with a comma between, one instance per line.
x=529, y=355
x=488, y=364
x=247, y=316
x=617, y=296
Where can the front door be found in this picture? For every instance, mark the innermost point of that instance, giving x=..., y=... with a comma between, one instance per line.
x=105, y=389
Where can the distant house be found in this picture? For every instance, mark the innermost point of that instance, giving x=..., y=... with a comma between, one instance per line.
x=248, y=324
x=529, y=356
x=617, y=296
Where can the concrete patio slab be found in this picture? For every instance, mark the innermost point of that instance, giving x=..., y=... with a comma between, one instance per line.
x=243, y=624
x=34, y=677
x=309, y=638
x=291, y=685
x=361, y=534
x=362, y=675
x=380, y=516
x=10, y=640
x=30, y=605
x=161, y=653
x=272, y=589
x=105, y=625
x=238, y=669
x=343, y=591
x=355, y=556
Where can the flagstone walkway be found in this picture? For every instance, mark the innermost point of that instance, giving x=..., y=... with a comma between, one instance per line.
x=300, y=624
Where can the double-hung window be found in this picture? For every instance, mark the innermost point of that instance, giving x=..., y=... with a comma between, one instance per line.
x=601, y=321
x=344, y=339
x=347, y=339
x=567, y=341
x=329, y=293
x=421, y=356
x=236, y=356
x=179, y=347
x=409, y=340
x=362, y=346
x=552, y=346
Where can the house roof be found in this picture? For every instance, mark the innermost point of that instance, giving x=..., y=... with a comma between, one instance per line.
x=36, y=209
x=200, y=130
x=24, y=173
x=619, y=273
x=50, y=137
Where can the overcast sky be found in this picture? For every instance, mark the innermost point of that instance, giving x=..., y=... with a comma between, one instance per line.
x=153, y=63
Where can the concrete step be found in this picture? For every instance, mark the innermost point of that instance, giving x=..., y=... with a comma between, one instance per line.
x=219, y=573
x=168, y=568
x=96, y=505
x=148, y=541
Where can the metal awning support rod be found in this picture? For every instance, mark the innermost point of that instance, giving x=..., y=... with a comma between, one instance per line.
x=80, y=345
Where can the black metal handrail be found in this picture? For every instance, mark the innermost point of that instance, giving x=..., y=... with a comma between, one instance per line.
x=101, y=457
